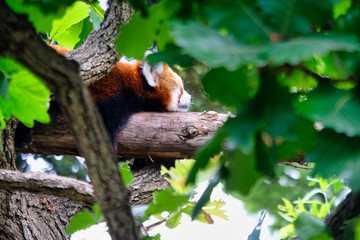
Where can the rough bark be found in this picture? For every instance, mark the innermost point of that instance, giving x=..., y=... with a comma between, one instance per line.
x=19, y=41
x=347, y=210
x=146, y=180
x=97, y=56
x=43, y=183
x=147, y=135
x=28, y=216
x=7, y=152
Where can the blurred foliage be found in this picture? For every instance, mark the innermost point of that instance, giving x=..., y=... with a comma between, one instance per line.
x=287, y=70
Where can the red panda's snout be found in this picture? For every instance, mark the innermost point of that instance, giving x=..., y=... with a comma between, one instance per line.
x=169, y=86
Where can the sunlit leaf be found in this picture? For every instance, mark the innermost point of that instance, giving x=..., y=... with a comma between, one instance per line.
x=214, y=209
x=165, y=200
x=133, y=42
x=74, y=14
x=126, y=173
x=174, y=220
x=81, y=221
x=28, y=97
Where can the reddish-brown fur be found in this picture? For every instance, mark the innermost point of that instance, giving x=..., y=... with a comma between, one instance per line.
x=126, y=76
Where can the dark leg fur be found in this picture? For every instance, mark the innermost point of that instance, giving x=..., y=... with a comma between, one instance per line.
x=23, y=136
x=116, y=113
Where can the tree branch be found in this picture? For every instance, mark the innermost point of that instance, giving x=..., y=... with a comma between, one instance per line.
x=43, y=183
x=348, y=209
x=147, y=135
x=97, y=55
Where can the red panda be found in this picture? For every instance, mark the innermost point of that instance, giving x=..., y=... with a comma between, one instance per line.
x=134, y=87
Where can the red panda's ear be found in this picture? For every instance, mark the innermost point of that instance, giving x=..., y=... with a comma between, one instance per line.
x=152, y=73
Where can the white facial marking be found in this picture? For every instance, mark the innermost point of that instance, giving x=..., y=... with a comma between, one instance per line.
x=185, y=102
x=152, y=73
x=173, y=106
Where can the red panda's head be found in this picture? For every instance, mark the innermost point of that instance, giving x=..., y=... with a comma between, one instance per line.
x=168, y=87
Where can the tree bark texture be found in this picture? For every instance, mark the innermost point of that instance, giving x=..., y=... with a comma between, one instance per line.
x=19, y=41
x=97, y=56
x=347, y=210
x=147, y=135
x=146, y=180
x=7, y=152
x=28, y=216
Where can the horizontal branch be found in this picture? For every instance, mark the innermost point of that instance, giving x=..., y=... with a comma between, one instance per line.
x=145, y=181
x=155, y=135
x=43, y=183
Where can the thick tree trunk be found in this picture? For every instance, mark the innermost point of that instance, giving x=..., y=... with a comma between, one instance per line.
x=19, y=41
x=25, y=216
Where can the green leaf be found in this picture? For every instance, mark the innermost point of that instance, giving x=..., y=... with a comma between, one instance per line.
x=74, y=14
x=239, y=86
x=336, y=109
x=28, y=97
x=341, y=8
x=238, y=17
x=264, y=160
x=197, y=40
x=303, y=48
x=309, y=227
x=81, y=221
x=242, y=172
x=174, y=220
x=165, y=201
x=126, y=173
x=70, y=37
x=342, y=159
x=140, y=33
x=212, y=147
x=214, y=209
x=294, y=17
x=171, y=55
x=205, y=197
x=156, y=237
x=41, y=13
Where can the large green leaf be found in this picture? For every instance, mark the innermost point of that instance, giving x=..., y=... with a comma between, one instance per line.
x=41, y=13
x=242, y=172
x=140, y=33
x=337, y=155
x=231, y=88
x=336, y=109
x=303, y=48
x=309, y=227
x=293, y=16
x=237, y=17
x=73, y=14
x=28, y=96
x=207, y=45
